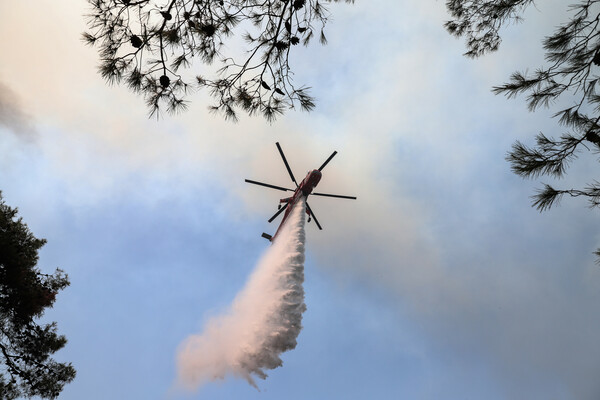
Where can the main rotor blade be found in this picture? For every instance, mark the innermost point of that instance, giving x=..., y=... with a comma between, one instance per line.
x=282, y=209
x=286, y=164
x=313, y=216
x=334, y=195
x=327, y=161
x=268, y=185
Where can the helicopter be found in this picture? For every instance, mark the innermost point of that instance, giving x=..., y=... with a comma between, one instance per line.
x=303, y=189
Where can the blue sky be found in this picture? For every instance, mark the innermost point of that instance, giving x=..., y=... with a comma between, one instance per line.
x=439, y=282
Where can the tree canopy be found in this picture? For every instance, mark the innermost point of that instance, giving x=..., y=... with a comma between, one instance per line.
x=148, y=45
x=571, y=72
x=25, y=346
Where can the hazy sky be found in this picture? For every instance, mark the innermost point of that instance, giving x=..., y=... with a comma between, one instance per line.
x=439, y=282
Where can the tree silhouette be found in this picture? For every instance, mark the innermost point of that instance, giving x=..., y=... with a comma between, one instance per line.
x=571, y=70
x=148, y=44
x=25, y=346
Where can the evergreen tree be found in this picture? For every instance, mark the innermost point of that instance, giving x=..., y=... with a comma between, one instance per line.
x=571, y=71
x=147, y=44
x=25, y=346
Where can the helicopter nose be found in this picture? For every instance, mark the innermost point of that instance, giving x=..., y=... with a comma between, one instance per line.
x=315, y=176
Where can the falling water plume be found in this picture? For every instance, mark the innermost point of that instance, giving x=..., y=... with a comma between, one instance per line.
x=263, y=321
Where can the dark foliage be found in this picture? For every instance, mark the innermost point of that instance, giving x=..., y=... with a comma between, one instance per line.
x=26, y=369
x=479, y=21
x=148, y=44
x=571, y=71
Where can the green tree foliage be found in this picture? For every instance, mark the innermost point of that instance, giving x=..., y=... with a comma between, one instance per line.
x=571, y=71
x=25, y=346
x=148, y=44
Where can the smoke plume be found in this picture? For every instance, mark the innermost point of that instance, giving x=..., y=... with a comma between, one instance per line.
x=263, y=321
x=12, y=116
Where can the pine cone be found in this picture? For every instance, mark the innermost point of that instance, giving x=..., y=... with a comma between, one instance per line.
x=298, y=4
x=164, y=81
x=593, y=137
x=136, y=41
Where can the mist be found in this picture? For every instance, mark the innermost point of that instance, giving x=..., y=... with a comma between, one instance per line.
x=263, y=321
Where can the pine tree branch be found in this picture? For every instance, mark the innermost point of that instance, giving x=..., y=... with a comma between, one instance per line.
x=148, y=46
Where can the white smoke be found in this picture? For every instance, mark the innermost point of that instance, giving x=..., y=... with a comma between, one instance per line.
x=263, y=321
